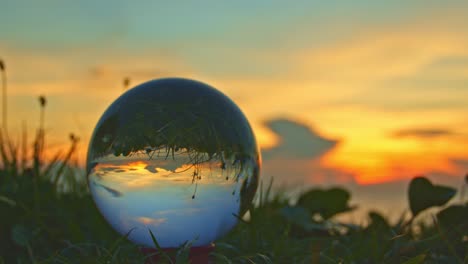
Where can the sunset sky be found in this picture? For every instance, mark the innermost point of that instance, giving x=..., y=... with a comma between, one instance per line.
x=357, y=92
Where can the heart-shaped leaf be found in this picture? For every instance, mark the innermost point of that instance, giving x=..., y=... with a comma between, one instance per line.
x=423, y=194
x=327, y=203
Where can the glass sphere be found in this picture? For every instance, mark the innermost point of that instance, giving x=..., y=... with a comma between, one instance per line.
x=174, y=156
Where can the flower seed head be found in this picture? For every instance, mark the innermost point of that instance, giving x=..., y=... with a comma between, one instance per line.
x=74, y=138
x=42, y=101
x=126, y=82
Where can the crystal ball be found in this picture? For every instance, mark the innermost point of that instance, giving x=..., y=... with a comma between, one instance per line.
x=174, y=156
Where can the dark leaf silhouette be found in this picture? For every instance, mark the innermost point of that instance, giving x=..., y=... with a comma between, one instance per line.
x=454, y=217
x=423, y=194
x=301, y=217
x=2, y=65
x=326, y=203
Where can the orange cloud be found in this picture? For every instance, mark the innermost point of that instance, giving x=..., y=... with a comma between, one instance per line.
x=151, y=221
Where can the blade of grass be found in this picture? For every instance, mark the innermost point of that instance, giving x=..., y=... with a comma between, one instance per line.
x=13, y=152
x=120, y=240
x=158, y=247
x=24, y=148
x=261, y=194
x=52, y=163
x=8, y=201
x=265, y=258
x=5, y=160
x=65, y=160
x=268, y=191
x=223, y=258
x=240, y=218
x=4, y=96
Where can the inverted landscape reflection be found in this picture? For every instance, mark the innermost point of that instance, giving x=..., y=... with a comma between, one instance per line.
x=175, y=199
x=176, y=157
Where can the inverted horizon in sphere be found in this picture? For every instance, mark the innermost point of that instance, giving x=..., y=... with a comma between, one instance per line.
x=174, y=156
x=139, y=196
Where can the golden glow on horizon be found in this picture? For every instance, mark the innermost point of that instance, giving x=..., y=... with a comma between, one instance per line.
x=136, y=165
x=375, y=168
x=140, y=173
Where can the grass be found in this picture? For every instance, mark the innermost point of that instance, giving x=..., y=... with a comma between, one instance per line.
x=67, y=228
x=48, y=216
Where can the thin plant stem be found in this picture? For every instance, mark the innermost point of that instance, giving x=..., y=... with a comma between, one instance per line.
x=41, y=134
x=4, y=101
x=24, y=150
x=74, y=142
x=39, y=145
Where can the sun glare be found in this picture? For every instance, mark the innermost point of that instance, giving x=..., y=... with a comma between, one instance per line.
x=137, y=165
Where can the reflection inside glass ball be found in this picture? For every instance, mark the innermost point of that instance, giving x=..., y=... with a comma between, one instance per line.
x=174, y=156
